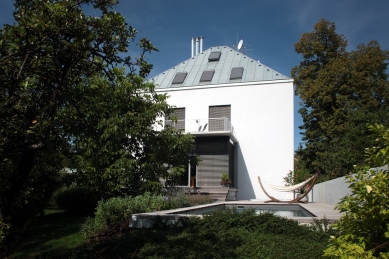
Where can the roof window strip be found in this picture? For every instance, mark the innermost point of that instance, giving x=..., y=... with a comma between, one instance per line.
x=214, y=56
x=179, y=78
x=207, y=76
x=236, y=73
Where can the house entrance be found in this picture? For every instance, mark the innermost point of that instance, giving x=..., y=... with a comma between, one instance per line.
x=188, y=178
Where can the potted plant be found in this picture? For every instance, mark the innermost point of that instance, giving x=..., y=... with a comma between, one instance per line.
x=225, y=180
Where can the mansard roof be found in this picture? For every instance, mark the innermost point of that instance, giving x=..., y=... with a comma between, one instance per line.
x=216, y=65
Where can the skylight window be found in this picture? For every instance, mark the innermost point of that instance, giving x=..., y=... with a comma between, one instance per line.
x=236, y=73
x=207, y=76
x=179, y=78
x=214, y=56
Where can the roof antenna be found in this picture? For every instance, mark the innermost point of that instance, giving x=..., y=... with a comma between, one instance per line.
x=240, y=47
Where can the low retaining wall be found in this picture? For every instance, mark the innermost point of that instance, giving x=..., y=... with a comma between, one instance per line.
x=330, y=192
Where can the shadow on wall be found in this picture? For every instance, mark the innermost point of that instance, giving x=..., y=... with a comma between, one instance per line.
x=245, y=187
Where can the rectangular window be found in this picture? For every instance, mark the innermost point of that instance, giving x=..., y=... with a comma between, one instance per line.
x=179, y=114
x=236, y=73
x=207, y=76
x=179, y=78
x=214, y=56
x=219, y=118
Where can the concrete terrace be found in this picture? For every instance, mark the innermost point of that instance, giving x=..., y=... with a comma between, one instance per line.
x=320, y=210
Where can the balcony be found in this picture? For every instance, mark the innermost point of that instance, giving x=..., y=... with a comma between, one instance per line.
x=206, y=127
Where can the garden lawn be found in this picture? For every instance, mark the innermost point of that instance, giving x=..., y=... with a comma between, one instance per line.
x=53, y=235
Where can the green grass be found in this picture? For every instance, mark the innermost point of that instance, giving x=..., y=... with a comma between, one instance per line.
x=54, y=234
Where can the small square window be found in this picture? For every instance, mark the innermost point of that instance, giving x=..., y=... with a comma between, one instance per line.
x=236, y=73
x=179, y=78
x=214, y=56
x=207, y=76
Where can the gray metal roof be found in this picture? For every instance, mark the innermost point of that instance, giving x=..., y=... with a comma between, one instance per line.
x=253, y=70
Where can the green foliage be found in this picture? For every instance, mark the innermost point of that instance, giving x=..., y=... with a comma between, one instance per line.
x=70, y=92
x=350, y=246
x=120, y=152
x=228, y=234
x=57, y=237
x=48, y=237
x=297, y=177
x=180, y=197
x=323, y=226
x=4, y=227
x=225, y=177
x=364, y=227
x=115, y=212
x=342, y=93
x=77, y=200
x=198, y=199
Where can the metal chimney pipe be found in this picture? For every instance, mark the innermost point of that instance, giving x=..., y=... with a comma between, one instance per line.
x=192, y=50
x=201, y=44
x=197, y=46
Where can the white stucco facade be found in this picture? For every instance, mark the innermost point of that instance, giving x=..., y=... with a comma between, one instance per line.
x=262, y=118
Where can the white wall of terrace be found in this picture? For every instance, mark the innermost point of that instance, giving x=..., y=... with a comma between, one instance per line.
x=262, y=118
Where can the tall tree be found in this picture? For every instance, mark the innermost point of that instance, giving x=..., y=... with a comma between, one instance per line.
x=61, y=94
x=342, y=93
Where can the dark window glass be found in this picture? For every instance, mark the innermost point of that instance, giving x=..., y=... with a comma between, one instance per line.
x=236, y=73
x=179, y=78
x=207, y=76
x=179, y=114
x=214, y=56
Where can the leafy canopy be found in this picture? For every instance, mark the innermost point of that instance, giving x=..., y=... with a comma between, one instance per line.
x=342, y=93
x=70, y=92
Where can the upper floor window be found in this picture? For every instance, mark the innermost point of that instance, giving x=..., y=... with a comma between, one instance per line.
x=176, y=119
x=220, y=118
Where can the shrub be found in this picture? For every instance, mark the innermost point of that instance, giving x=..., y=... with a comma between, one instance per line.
x=4, y=227
x=77, y=200
x=229, y=234
x=180, y=198
x=364, y=228
x=323, y=226
x=115, y=212
x=199, y=199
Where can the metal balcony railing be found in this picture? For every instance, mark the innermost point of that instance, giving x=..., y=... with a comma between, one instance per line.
x=203, y=125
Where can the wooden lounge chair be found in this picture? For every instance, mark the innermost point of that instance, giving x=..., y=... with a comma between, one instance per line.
x=313, y=180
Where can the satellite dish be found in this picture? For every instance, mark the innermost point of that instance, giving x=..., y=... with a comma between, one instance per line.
x=240, y=44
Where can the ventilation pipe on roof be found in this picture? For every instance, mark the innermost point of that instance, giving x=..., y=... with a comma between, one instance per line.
x=192, y=52
x=197, y=46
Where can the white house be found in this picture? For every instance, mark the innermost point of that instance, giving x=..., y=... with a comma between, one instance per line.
x=241, y=113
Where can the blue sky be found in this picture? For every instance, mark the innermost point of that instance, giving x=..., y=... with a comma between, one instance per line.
x=270, y=27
